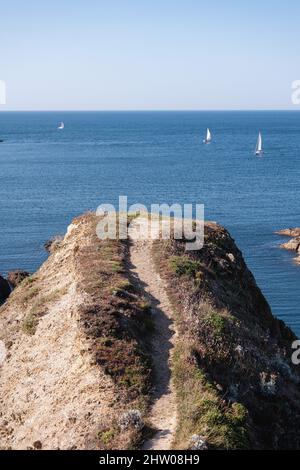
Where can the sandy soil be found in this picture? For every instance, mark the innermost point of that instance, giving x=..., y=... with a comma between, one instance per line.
x=163, y=413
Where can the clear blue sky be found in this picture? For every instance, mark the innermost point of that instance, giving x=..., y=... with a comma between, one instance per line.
x=129, y=54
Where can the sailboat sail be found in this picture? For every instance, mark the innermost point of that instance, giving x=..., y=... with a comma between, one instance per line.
x=61, y=125
x=259, y=149
x=208, y=137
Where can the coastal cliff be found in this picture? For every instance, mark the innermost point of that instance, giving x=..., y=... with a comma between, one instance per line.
x=109, y=341
x=235, y=379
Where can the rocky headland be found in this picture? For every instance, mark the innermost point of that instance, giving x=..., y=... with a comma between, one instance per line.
x=126, y=344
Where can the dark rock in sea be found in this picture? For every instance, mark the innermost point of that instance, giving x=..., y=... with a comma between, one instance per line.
x=5, y=289
x=16, y=277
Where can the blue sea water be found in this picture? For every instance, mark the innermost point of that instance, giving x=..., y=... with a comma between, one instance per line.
x=49, y=176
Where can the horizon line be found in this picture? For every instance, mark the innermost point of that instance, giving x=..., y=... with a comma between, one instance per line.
x=144, y=110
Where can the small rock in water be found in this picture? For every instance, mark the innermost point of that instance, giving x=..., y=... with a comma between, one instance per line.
x=289, y=232
x=293, y=244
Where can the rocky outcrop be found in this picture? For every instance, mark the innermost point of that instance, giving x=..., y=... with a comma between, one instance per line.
x=294, y=243
x=76, y=339
x=289, y=232
x=16, y=277
x=4, y=289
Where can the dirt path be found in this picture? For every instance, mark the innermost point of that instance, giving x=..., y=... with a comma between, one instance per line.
x=163, y=413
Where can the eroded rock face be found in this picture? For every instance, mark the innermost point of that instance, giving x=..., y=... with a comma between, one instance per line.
x=229, y=336
x=16, y=277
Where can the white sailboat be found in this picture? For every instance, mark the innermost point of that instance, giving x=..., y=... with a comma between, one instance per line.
x=259, y=148
x=208, y=138
x=61, y=126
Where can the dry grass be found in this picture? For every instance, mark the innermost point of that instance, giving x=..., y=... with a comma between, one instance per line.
x=115, y=320
x=39, y=306
x=201, y=410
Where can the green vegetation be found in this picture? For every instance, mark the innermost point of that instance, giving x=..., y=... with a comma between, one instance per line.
x=200, y=409
x=106, y=437
x=28, y=281
x=116, y=267
x=183, y=266
x=39, y=307
x=122, y=287
x=27, y=295
x=217, y=323
x=29, y=324
x=145, y=305
x=202, y=349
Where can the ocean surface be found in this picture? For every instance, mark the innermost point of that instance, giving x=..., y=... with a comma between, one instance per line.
x=48, y=176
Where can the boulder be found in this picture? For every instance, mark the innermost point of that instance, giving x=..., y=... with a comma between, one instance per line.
x=16, y=277
x=289, y=232
x=5, y=289
x=293, y=244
